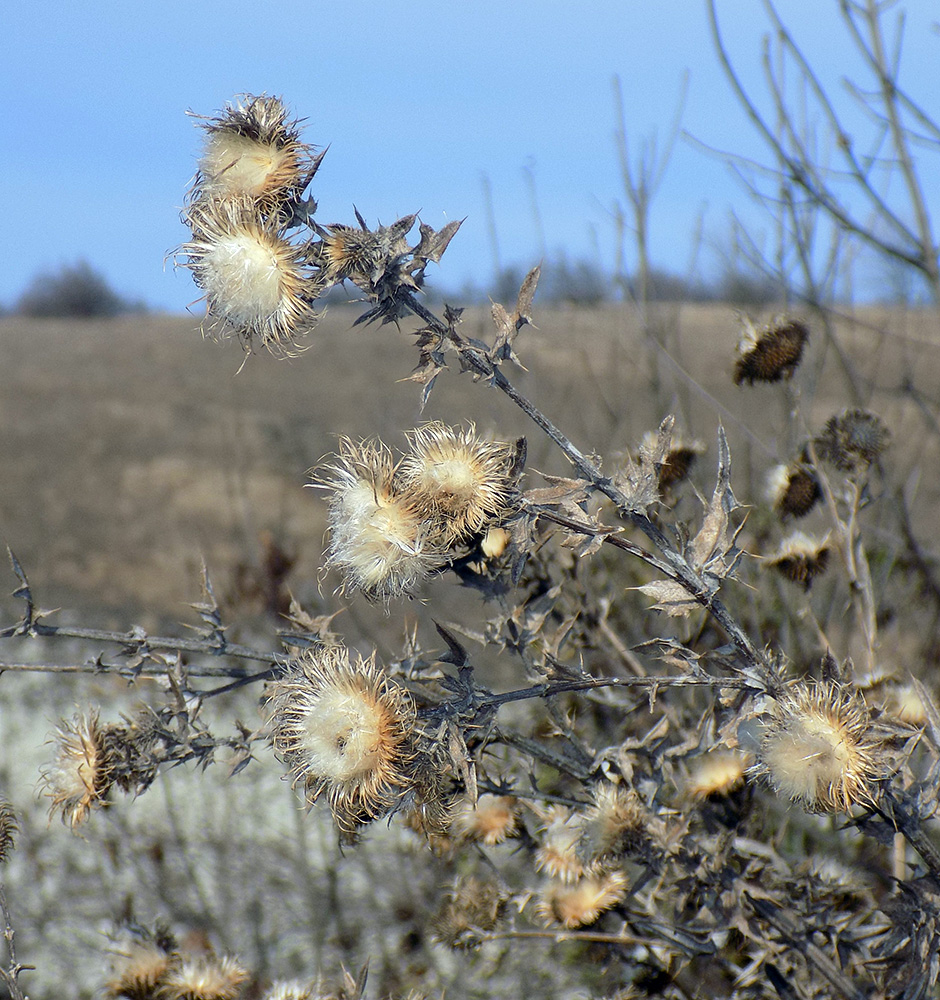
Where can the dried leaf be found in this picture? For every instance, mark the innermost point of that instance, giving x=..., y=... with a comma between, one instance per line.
x=670, y=597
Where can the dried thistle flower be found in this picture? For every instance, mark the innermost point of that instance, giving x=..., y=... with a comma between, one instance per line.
x=615, y=824
x=79, y=778
x=906, y=705
x=361, y=255
x=8, y=828
x=770, y=353
x=494, y=542
x=557, y=854
x=491, y=820
x=253, y=150
x=793, y=490
x=141, y=969
x=818, y=748
x=852, y=440
x=379, y=541
x=204, y=977
x=472, y=905
x=801, y=558
x=717, y=773
x=457, y=479
x=344, y=728
x=255, y=280
x=580, y=903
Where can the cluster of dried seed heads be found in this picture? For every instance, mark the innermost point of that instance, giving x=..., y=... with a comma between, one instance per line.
x=395, y=522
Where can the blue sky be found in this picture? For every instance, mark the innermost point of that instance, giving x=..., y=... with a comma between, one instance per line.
x=417, y=102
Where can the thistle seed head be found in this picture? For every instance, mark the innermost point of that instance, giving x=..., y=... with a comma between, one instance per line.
x=255, y=280
x=79, y=778
x=793, y=490
x=801, y=558
x=491, y=820
x=140, y=970
x=379, y=540
x=676, y=464
x=557, y=854
x=818, y=748
x=582, y=902
x=717, y=773
x=771, y=353
x=615, y=824
x=253, y=150
x=293, y=990
x=458, y=480
x=852, y=440
x=344, y=728
x=472, y=905
x=204, y=977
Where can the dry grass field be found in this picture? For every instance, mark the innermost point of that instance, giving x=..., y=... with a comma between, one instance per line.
x=132, y=450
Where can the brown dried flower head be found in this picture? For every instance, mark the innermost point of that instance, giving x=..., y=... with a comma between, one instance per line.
x=344, y=728
x=801, y=558
x=580, y=903
x=491, y=820
x=557, y=854
x=204, y=977
x=255, y=280
x=379, y=541
x=79, y=778
x=253, y=150
x=140, y=970
x=615, y=824
x=457, y=479
x=771, y=353
x=852, y=440
x=472, y=905
x=818, y=748
x=717, y=773
x=793, y=490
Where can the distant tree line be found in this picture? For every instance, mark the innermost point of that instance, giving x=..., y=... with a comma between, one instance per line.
x=74, y=290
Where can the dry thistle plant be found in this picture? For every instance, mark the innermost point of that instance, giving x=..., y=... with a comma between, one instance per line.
x=649, y=768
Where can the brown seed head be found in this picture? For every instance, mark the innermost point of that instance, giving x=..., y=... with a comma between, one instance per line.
x=472, y=905
x=801, y=558
x=380, y=541
x=204, y=977
x=253, y=150
x=493, y=819
x=559, y=839
x=457, y=480
x=615, y=824
x=140, y=970
x=344, y=728
x=771, y=353
x=717, y=773
x=79, y=778
x=255, y=280
x=852, y=440
x=293, y=990
x=793, y=490
x=580, y=903
x=818, y=748
x=676, y=463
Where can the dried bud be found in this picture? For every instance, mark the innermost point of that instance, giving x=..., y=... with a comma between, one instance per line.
x=204, y=978
x=719, y=772
x=471, y=906
x=344, y=728
x=852, y=440
x=79, y=778
x=771, y=353
x=255, y=280
x=801, y=558
x=457, y=479
x=379, y=540
x=491, y=820
x=252, y=150
x=793, y=490
x=580, y=903
x=818, y=748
